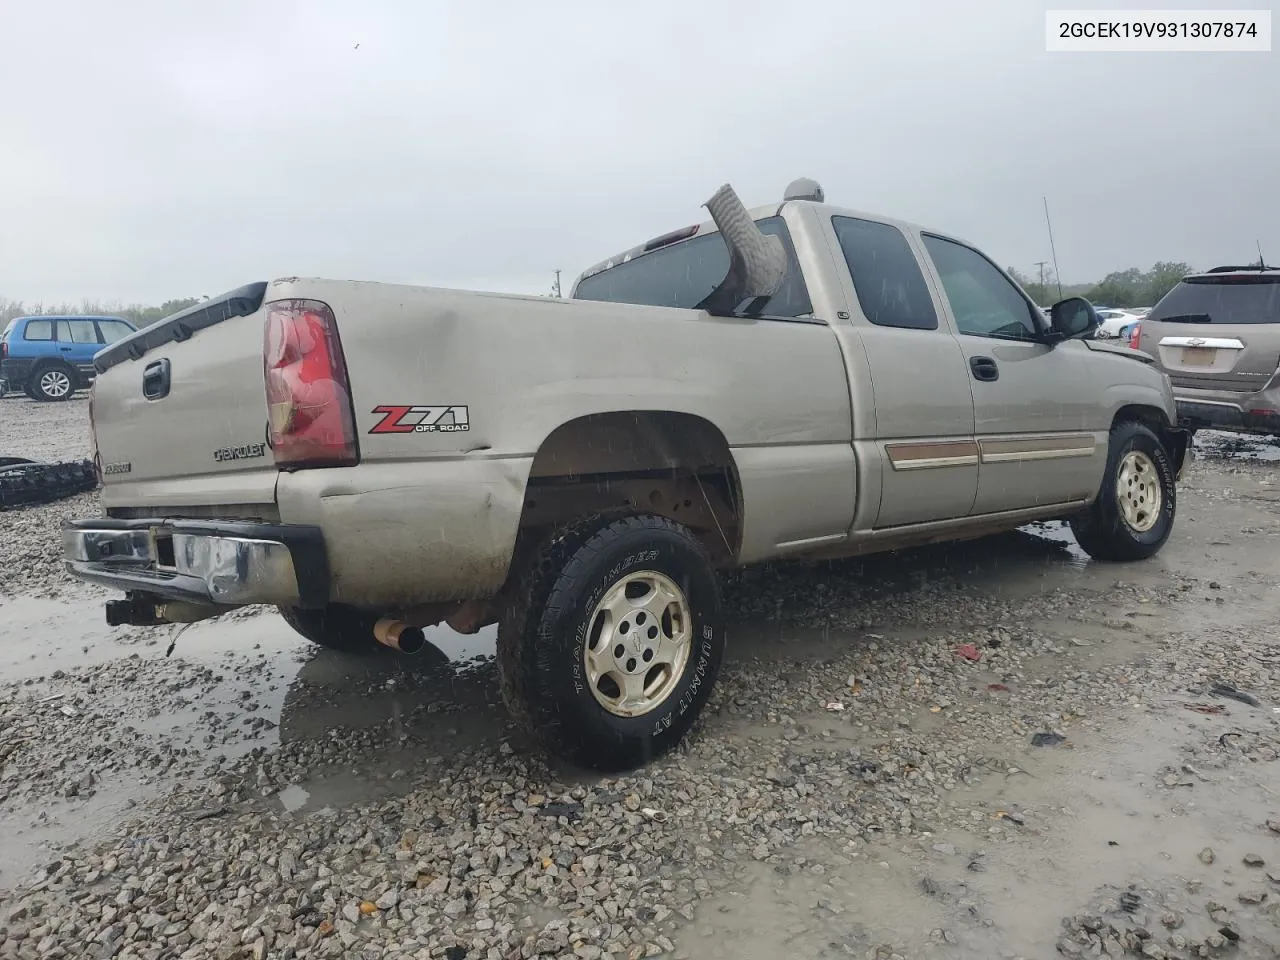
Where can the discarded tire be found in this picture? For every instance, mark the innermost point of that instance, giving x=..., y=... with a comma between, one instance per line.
x=24, y=484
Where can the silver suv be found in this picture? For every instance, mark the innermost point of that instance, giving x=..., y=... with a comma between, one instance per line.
x=1217, y=336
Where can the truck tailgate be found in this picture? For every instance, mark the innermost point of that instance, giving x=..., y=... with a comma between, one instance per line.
x=179, y=410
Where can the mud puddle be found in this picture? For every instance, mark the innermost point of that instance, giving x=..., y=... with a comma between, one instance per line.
x=104, y=721
x=1218, y=445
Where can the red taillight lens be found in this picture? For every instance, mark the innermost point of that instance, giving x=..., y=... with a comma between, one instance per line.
x=4, y=349
x=310, y=421
x=1135, y=336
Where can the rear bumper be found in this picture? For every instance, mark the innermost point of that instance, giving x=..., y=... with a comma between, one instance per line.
x=1252, y=413
x=202, y=561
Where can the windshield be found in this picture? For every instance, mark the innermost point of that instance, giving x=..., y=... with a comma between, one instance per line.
x=1222, y=301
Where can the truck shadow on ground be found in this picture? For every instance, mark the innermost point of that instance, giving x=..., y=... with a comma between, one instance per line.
x=447, y=700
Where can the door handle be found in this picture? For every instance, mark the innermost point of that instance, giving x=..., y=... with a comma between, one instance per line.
x=65, y=349
x=984, y=368
x=155, y=379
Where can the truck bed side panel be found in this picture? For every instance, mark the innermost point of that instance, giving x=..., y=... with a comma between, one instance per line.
x=425, y=362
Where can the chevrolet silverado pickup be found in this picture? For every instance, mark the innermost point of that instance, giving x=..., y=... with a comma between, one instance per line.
x=798, y=380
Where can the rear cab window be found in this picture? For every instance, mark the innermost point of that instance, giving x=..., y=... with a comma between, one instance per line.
x=886, y=275
x=1224, y=299
x=682, y=274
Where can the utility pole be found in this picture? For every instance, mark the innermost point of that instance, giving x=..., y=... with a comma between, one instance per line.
x=1040, y=264
x=555, y=287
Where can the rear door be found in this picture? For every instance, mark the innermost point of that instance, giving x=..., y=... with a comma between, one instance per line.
x=1218, y=331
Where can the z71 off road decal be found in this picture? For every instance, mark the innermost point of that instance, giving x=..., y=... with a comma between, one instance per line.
x=397, y=419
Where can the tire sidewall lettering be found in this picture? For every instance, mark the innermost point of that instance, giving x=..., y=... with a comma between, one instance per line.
x=700, y=671
x=1168, y=488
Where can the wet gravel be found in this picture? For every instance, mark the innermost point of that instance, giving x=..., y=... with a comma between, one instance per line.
x=30, y=550
x=985, y=750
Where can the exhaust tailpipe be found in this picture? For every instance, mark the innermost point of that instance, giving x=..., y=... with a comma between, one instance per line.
x=398, y=635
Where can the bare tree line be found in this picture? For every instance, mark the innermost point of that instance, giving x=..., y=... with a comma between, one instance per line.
x=140, y=315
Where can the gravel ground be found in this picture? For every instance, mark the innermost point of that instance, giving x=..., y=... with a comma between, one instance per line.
x=48, y=432
x=1099, y=781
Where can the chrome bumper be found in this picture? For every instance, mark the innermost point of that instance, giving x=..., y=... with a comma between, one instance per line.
x=202, y=561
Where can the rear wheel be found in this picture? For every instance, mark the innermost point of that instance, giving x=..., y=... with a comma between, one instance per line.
x=613, y=640
x=53, y=382
x=1133, y=514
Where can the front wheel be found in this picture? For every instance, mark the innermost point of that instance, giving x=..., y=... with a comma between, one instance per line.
x=613, y=640
x=1133, y=514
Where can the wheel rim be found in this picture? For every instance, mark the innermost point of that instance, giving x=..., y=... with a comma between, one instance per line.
x=638, y=643
x=55, y=383
x=1138, y=491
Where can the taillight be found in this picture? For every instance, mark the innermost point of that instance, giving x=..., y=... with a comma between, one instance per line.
x=310, y=422
x=4, y=349
x=1135, y=336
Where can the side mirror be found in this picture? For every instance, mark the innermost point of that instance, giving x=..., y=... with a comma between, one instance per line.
x=1071, y=318
x=757, y=263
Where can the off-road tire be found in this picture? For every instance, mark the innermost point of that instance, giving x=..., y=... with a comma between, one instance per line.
x=1101, y=530
x=37, y=389
x=29, y=484
x=543, y=630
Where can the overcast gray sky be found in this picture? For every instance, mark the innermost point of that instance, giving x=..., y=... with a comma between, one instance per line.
x=163, y=148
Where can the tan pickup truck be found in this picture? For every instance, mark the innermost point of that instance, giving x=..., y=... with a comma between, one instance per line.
x=798, y=380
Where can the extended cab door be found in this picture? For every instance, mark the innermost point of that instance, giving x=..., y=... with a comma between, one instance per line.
x=914, y=426
x=1035, y=405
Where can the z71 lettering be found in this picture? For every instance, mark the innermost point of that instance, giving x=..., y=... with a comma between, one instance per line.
x=418, y=419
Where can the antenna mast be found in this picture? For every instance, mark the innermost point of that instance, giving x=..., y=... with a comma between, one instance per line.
x=1052, y=251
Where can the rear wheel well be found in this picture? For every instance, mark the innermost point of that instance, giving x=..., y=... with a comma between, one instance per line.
x=53, y=363
x=675, y=465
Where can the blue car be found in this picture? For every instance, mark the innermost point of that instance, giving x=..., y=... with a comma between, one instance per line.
x=50, y=358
